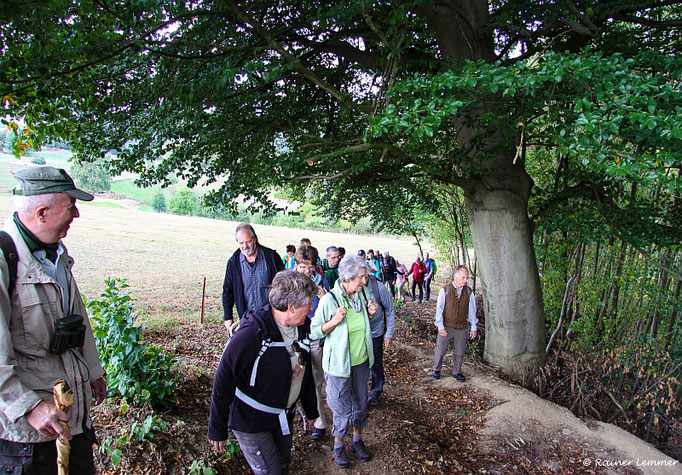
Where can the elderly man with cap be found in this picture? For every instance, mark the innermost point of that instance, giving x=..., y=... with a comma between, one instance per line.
x=45, y=334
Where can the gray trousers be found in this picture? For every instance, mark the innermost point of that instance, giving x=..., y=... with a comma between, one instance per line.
x=318, y=376
x=347, y=398
x=459, y=338
x=267, y=452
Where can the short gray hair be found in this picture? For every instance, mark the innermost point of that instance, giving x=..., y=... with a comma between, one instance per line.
x=350, y=266
x=245, y=227
x=460, y=267
x=331, y=249
x=290, y=288
x=25, y=204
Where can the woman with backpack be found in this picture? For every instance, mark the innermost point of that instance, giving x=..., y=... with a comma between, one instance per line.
x=418, y=271
x=264, y=371
x=343, y=318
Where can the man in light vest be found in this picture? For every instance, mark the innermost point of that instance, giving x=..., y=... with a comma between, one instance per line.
x=45, y=333
x=455, y=311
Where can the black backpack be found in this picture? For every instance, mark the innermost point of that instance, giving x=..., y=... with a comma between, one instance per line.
x=12, y=258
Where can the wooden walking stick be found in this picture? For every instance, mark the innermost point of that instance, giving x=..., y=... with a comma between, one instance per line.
x=63, y=399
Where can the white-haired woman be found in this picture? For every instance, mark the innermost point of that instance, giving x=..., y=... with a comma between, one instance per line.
x=343, y=318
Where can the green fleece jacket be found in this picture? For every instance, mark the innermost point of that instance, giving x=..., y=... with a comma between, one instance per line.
x=336, y=350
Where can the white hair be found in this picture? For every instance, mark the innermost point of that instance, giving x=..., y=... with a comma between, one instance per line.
x=26, y=204
x=350, y=267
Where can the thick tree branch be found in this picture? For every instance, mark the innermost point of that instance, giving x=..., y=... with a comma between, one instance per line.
x=582, y=189
x=581, y=18
x=297, y=64
x=375, y=29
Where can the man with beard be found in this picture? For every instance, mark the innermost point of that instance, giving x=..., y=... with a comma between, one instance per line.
x=249, y=273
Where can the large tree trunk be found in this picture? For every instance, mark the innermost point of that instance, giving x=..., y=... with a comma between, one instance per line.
x=512, y=296
x=496, y=200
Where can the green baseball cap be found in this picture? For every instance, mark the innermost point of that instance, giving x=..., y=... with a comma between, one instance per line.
x=44, y=180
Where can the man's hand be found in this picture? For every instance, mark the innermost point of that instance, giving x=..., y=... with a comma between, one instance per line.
x=472, y=335
x=219, y=445
x=372, y=308
x=387, y=342
x=99, y=390
x=228, y=324
x=443, y=332
x=46, y=418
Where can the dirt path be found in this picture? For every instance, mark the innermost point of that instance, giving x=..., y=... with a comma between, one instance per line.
x=527, y=423
x=421, y=425
x=484, y=425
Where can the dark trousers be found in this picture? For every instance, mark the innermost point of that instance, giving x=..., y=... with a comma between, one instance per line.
x=377, y=370
x=421, y=290
x=391, y=286
x=267, y=452
x=427, y=288
x=41, y=458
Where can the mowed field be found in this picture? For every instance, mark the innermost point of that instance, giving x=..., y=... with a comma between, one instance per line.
x=165, y=257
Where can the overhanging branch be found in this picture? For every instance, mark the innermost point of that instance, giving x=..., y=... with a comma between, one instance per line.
x=297, y=63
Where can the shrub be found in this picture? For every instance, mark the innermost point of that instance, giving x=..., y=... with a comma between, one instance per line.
x=136, y=370
x=184, y=201
x=159, y=202
x=91, y=176
x=38, y=160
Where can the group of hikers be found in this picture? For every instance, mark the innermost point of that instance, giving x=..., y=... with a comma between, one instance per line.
x=307, y=323
x=299, y=330
x=383, y=266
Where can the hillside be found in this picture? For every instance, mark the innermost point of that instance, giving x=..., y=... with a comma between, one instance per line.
x=424, y=426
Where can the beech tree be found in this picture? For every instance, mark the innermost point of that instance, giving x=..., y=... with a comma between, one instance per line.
x=346, y=96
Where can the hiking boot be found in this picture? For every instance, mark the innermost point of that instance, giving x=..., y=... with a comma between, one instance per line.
x=373, y=399
x=340, y=458
x=318, y=434
x=360, y=451
x=436, y=374
x=459, y=377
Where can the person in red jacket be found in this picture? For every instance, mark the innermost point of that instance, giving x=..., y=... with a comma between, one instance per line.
x=418, y=271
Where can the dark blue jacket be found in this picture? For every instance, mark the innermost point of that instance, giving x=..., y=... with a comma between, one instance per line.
x=233, y=287
x=273, y=379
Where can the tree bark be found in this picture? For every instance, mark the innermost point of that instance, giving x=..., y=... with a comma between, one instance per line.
x=512, y=296
x=496, y=201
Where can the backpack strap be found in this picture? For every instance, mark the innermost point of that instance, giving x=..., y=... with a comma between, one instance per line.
x=268, y=343
x=280, y=413
x=336, y=300
x=375, y=289
x=12, y=258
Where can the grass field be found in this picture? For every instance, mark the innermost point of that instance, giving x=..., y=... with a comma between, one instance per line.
x=9, y=164
x=165, y=257
x=127, y=187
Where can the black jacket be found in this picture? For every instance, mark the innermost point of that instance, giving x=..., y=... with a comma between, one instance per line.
x=233, y=287
x=273, y=379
